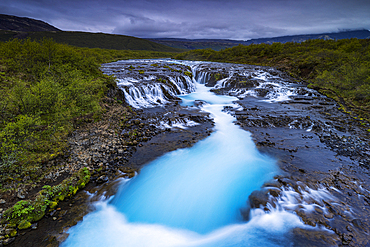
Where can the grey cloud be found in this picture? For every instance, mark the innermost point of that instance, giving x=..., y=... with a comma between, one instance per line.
x=233, y=19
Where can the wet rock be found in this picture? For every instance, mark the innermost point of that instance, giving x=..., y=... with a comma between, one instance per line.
x=8, y=241
x=275, y=192
x=346, y=239
x=329, y=215
x=358, y=223
x=21, y=193
x=258, y=198
x=306, y=218
x=313, y=238
x=34, y=226
x=262, y=92
x=102, y=179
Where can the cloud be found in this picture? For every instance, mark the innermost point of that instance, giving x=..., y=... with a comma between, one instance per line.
x=233, y=19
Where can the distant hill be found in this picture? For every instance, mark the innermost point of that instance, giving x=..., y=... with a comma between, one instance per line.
x=21, y=28
x=218, y=44
x=24, y=24
x=359, y=34
x=192, y=44
x=102, y=40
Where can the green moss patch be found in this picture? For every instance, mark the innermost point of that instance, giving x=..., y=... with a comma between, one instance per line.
x=25, y=212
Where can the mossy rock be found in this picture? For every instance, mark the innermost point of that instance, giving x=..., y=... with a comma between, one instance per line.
x=13, y=233
x=53, y=204
x=10, y=225
x=24, y=224
x=32, y=211
x=61, y=197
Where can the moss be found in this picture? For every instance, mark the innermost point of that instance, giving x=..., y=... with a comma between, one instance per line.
x=32, y=211
x=162, y=80
x=53, y=204
x=13, y=233
x=188, y=74
x=217, y=76
x=24, y=224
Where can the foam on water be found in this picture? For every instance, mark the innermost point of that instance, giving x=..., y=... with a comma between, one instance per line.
x=108, y=227
x=178, y=123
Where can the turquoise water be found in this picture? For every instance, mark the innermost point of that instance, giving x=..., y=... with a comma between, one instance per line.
x=201, y=188
x=193, y=196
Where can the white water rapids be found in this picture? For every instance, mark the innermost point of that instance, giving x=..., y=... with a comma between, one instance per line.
x=192, y=196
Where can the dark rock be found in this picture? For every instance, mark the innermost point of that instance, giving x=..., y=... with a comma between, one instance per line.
x=8, y=241
x=102, y=179
x=258, y=198
x=275, y=192
x=21, y=194
x=34, y=226
x=358, y=223
x=262, y=92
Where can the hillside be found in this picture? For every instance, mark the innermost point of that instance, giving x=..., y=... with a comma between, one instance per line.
x=24, y=24
x=359, y=34
x=102, y=40
x=219, y=44
x=193, y=44
x=22, y=28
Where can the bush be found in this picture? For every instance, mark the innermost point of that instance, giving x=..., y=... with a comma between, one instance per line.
x=45, y=87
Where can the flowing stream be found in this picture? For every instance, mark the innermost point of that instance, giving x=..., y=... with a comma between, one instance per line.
x=192, y=196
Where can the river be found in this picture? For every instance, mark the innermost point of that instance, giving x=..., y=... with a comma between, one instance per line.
x=195, y=196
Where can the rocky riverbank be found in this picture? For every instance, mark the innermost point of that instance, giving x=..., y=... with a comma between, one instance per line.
x=324, y=156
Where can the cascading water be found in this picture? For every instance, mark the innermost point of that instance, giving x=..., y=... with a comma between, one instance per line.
x=193, y=196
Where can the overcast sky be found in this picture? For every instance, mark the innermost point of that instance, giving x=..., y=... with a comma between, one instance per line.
x=194, y=19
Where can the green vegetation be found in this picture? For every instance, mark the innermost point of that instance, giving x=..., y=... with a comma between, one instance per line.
x=47, y=90
x=92, y=40
x=340, y=69
x=197, y=44
x=187, y=73
x=25, y=212
x=162, y=80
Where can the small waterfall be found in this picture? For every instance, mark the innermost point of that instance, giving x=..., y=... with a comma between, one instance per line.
x=144, y=89
x=201, y=77
x=141, y=94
